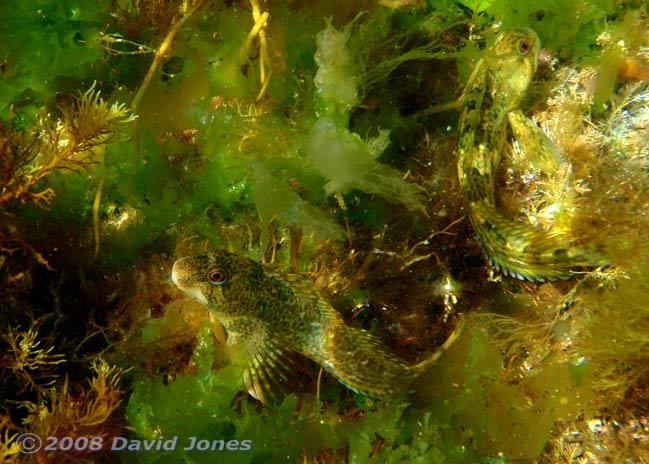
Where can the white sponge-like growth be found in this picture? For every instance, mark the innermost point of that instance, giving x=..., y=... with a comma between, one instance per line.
x=335, y=80
x=348, y=163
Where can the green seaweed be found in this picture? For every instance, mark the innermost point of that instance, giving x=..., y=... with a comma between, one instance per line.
x=55, y=43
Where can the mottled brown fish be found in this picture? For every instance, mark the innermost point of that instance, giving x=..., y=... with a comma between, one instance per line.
x=276, y=316
x=491, y=98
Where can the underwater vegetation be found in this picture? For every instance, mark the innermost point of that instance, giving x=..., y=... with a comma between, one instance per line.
x=320, y=141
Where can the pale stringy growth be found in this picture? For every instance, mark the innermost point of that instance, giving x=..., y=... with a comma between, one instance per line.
x=61, y=412
x=9, y=451
x=609, y=157
x=624, y=133
x=71, y=143
x=622, y=171
x=599, y=439
x=611, y=153
x=613, y=333
x=550, y=199
x=598, y=193
x=528, y=337
x=88, y=124
x=28, y=358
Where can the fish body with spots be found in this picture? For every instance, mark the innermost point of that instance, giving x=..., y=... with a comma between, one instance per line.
x=275, y=316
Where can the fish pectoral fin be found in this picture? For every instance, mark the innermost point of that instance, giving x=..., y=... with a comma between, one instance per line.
x=272, y=371
x=538, y=149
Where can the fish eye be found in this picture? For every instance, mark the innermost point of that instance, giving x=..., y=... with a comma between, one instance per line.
x=217, y=276
x=524, y=47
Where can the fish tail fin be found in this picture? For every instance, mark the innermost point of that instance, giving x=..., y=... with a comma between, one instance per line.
x=528, y=253
x=360, y=361
x=424, y=365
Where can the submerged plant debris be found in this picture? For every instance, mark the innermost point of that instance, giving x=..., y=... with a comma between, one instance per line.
x=318, y=138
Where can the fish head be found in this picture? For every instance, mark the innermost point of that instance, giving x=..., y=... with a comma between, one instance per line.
x=512, y=61
x=224, y=282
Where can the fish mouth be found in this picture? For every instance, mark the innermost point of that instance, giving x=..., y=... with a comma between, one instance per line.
x=181, y=276
x=178, y=272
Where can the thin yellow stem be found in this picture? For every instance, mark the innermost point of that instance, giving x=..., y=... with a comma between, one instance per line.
x=162, y=51
x=318, y=385
x=264, y=86
x=450, y=106
x=259, y=30
x=95, y=211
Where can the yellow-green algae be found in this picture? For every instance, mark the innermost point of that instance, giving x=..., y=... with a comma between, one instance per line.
x=207, y=164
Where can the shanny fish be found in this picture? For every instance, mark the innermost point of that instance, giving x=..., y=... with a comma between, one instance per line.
x=275, y=316
x=490, y=101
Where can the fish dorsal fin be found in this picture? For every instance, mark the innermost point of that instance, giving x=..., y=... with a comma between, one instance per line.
x=271, y=372
x=309, y=296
